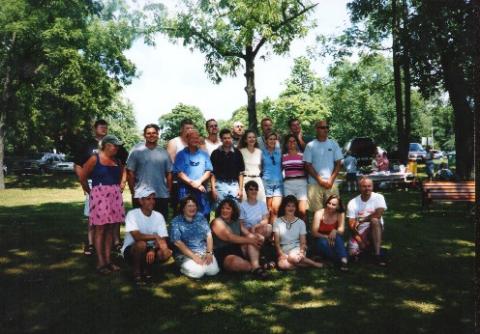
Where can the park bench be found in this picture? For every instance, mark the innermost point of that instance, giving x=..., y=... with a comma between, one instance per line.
x=447, y=191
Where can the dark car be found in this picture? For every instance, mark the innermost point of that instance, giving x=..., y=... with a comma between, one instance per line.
x=36, y=164
x=363, y=149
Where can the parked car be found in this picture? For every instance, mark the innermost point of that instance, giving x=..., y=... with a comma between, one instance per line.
x=36, y=164
x=62, y=167
x=437, y=154
x=416, y=152
x=363, y=149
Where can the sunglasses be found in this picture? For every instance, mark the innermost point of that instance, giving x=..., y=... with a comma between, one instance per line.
x=273, y=159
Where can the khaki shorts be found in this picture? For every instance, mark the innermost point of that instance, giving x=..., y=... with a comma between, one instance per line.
x=318, y=194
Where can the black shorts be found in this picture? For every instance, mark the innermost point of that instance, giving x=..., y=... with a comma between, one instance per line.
x=352, y=177
x=127, y=255
x=223, y=252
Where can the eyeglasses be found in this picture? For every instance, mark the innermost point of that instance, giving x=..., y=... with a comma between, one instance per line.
x=194, y=163
x=323, y=127
x=239, y=126
x=213, y=126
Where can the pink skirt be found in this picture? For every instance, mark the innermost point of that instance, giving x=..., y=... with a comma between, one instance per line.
x=106, y=205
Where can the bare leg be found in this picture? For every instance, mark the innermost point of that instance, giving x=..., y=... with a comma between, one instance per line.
x=284, y=264
x=99, y=245
x=302, y=211
x=253, y=255
x=236, y=264
x=138, y=253
x=91, y=234
x=275, y=205
x=309, y=262
x=108, y=241
x=376, y=229
x=116, y=233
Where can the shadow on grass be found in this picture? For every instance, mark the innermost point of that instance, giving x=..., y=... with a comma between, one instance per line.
x=49, y=286
x=28, y=181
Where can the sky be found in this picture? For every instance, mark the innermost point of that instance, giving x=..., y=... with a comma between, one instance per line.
x=169, y=74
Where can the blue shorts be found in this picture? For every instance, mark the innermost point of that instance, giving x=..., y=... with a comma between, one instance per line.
x=273, y=188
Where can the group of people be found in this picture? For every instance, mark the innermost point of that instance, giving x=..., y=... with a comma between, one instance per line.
x=260, y=188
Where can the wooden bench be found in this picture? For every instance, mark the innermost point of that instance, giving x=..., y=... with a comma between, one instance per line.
x=447, y=191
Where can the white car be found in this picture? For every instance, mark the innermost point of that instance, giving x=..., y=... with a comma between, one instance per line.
x=62, y=167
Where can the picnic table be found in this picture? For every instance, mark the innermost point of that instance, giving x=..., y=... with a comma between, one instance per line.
x=392, y=178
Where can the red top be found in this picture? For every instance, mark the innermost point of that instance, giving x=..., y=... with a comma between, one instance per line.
x=327, y=228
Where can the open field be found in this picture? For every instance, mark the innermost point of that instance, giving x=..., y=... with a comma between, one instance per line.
x=47, y=285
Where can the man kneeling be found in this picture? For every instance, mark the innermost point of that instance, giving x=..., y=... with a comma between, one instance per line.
x=145, y=237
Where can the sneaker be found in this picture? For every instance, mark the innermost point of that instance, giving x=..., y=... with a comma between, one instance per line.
x=88, y=250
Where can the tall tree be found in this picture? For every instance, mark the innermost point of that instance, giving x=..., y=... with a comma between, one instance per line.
x=61, y=65
x=170, y=123
x=232, y=33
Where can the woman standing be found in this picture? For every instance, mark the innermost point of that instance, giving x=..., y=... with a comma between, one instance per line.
x=191, y=234
x=252, y=157
x=290, y=237
x=106, y=202
x=272, y=175
x=328, y=227
x=295, y=182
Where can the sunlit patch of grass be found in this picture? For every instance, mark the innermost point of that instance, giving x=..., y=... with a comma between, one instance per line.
x=414, y=284
x=21, y=253
x=68, y=263
x=159, y=292
x=4, y=260
x=14, y=271
x=276, y=329
x=421, y=306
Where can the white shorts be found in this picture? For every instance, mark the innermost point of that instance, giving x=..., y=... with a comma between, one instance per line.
x=296, y=187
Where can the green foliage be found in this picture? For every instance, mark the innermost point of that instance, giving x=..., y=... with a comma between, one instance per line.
x=170, y=123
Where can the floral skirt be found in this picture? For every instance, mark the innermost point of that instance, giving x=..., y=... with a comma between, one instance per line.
x=106, y=205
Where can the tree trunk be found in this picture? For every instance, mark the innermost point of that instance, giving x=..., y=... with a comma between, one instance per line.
x=463, y=115
x=398, y=85
x=250, y=88
x=407, y=79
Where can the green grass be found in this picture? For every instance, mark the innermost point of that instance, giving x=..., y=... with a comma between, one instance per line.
x=47, y=285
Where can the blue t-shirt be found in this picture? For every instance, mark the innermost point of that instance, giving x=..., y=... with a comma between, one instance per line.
x=193, y=234
x=194, y=165
x=322, y=155
x=272, y=165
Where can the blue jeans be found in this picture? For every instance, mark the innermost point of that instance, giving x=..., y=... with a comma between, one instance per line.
x=334, y=253
x=226, y=190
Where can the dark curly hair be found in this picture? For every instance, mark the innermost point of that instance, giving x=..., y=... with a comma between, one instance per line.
x=233, y=205
x=285, y=201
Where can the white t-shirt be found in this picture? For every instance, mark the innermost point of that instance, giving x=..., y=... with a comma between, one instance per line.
x=289, y=235
x=137, y=221
x=253, y=161
x=212, y=146
x=322, y=155
x=252, y=214
x=358, y=208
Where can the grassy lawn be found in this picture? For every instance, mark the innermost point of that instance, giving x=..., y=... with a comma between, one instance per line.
x=47, y=285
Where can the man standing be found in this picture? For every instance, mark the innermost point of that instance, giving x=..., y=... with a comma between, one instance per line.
x=145, y=237
x=228, y=168
x=149, y=165
x=267, y=127
x=296, y=130
x=212, y=141
x=177, y=144
x=237, y=132
x=365, y=219
x=82, y=154
x=323, y=159
x=193, y=168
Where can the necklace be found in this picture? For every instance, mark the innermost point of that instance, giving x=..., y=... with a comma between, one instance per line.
x=287, y=223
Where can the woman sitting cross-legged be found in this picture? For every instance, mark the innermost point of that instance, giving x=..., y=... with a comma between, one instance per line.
x=233, y=251
x=192, y=237
x=290, y=237
x=327, y=227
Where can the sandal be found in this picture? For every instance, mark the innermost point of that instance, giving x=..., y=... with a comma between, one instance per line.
x=343, y=267
x=269, y=265
x=112, y=267
x=260, y=273
x=88, y=250
x=118, y=247
x=379, y=259
x=103, y=270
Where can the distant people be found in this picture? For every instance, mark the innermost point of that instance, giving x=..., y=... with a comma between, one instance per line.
x=291, y=237
x=429, y=165
x=149, y=165
x=381, y=162
x=444, y=173
x=296, y=130
x=272, y=175
x=237, y=132
x=254, y=214
x=366, y=223
x=267, y=127
x=193, y=169
x=228, y=169
x=234, y=252
x=83, y=152
x=252, y=157
x=106, y=203
x=328, y=227
x=322, y=158
x=212, y=142
x=191, y=235
x=145, y=236
x=295, y=182
x=350, y=165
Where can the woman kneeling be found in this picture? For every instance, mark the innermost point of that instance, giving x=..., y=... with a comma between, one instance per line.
x=290, y=237
x=233, y=251
x=191, y=235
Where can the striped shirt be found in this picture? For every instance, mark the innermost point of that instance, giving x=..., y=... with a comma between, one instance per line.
x=293, y=165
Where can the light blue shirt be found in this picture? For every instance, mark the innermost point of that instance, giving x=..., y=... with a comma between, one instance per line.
x=193, y=234
x=272, y=165
x=322, y=155
x=194, y=165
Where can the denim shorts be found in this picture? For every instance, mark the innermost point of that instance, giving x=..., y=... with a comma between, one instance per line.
x=273, y=188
